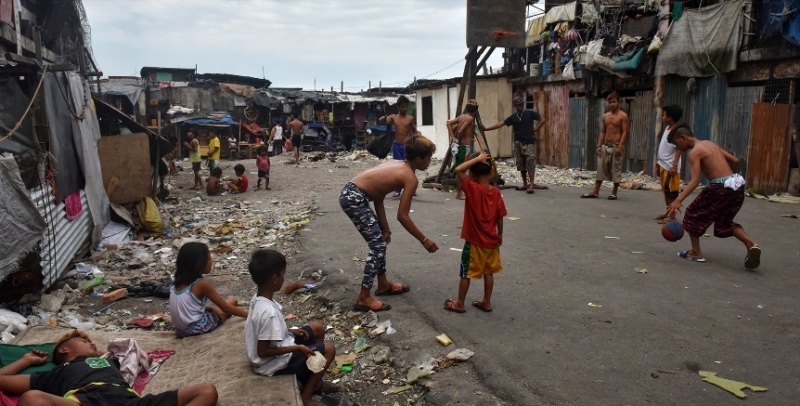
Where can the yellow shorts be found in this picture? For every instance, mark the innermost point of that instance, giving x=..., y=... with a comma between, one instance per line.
x=669, y=184
x=477, y=262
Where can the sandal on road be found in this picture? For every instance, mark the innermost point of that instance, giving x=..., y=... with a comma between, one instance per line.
x=685, y=255
x=450, y=305
x=481, y=306
x=588, y=196
x=612, y=197
x=395, y=289
x=520, y=188
x=327, y=386
x=753, y=259
x=375, y=306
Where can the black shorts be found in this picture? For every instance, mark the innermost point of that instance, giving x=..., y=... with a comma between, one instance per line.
x=196, y=166
x=116, y=395
x=296, y=140
x=297, y=363
x=263, y=174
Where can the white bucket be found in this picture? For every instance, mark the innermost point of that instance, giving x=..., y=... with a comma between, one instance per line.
x=535, y=69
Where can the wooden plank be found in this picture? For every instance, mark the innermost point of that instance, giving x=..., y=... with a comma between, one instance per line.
x=770, y=145
x=125, y=163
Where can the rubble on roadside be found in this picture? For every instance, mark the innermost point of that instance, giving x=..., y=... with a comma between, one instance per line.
x=555, y=176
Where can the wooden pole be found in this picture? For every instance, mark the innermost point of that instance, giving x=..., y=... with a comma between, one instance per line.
x=471, y=54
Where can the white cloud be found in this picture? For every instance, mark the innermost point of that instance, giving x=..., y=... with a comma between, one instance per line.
x=296, y=42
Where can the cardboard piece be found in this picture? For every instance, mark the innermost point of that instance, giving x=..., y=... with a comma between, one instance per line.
x=125, y=162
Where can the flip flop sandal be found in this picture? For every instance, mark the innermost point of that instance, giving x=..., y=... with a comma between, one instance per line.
x=480, y=305
x=143, y=322
x=685, y=255
x=449, y=305
x=520, y=188
x=753, y=259
x=588, y=196
x=328, y=387
x=530, y=191
x=396, y=289
x=612, y=197
x=376, y=306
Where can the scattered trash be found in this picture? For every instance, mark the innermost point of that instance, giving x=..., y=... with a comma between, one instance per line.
x=641, y=270
x=346, y=359
x=512, y=218
x=443, y=339
x=115, y=295
x=731, y=386
x=456, y=249
x=591, y=304
x=460, y=354
x=612, y=238
x=415, y=373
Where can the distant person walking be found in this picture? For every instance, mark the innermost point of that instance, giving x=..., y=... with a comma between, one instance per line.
x=524, y=122
x=296, y=129
x=717, y=203
x=669, y=162
x=405, y=127
x=462, y=133
x=613, y=135
x=276, y=139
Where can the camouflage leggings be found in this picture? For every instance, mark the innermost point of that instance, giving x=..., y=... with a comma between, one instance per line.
x=355, y=204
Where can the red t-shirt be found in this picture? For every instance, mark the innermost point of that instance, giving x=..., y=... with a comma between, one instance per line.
x=262, y=162
x=482, y=209
x=243, y=183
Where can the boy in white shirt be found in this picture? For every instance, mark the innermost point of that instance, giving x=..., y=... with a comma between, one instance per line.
x=271, y=347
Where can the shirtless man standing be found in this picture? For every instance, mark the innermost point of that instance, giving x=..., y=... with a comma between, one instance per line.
x=296, y=129
x=373, y=185
x=718, y=203
x=405, y=127
x=613, y=135
x=462, y=131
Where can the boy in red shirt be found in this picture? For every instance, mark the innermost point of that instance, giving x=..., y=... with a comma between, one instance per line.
x=239, y=185
x=263, y=164
x=482, y=232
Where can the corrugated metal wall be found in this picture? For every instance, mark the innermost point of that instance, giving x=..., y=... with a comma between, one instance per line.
x=709, y=107
x=555, y=148
x=641, y=112
x=62, y=239
x=577, y=132
x=770, y=146
x=594, y=121
x=674, y=92
x=735, y=133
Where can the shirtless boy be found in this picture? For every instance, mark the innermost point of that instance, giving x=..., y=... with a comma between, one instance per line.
x=613, y=135
x=373, y=185
x=718, y=203
x=405, y=127
x=462, y=131
x=296, y=129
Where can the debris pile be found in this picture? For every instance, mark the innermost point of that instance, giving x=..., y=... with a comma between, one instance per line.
x=554, y=176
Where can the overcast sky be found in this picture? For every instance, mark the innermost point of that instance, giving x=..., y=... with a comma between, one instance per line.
x=296, y=42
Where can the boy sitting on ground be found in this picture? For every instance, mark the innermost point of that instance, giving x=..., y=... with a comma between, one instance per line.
x=482, y=232
x=214, y=183
x=82, y=377
x=271, y=347
x=240, y=184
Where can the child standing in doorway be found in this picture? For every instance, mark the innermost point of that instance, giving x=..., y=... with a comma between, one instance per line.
x=190, y=292
x=482, y=231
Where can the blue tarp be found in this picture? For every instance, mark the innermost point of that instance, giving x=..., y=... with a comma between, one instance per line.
x=779, y=16
x=207, y=120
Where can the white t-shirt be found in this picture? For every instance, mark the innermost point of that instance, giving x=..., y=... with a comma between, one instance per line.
x=667, y=153
x=265, y=322
x=278, y=133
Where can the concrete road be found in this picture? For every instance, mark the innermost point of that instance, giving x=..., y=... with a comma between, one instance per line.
x=544, y=344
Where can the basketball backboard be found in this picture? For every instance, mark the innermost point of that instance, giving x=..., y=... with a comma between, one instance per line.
x=496, y=23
